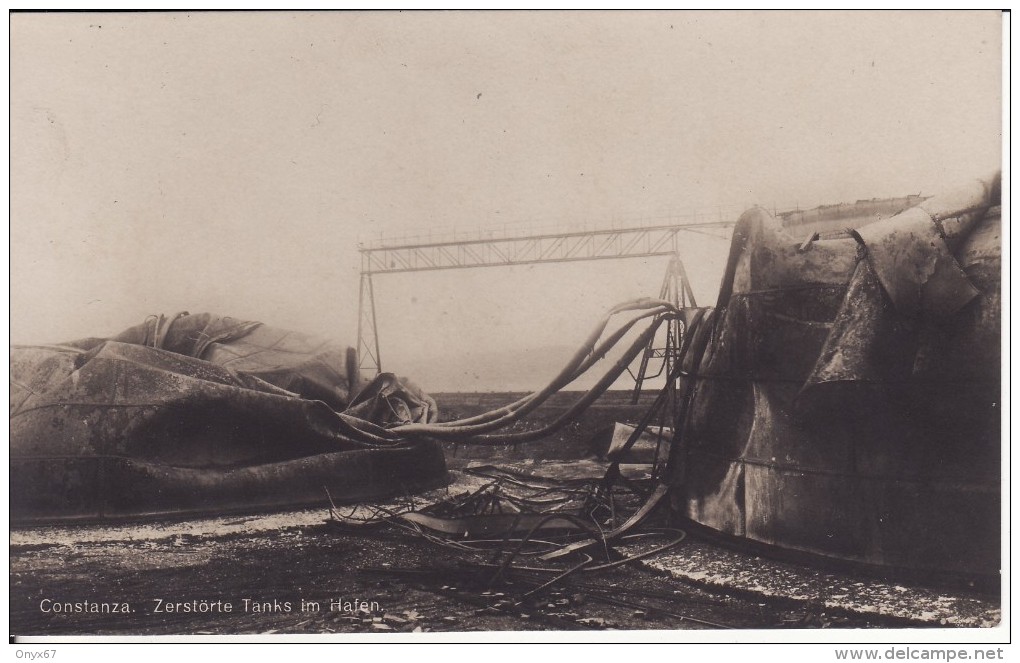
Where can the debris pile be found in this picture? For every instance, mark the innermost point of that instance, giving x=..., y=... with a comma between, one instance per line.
x=533, y=541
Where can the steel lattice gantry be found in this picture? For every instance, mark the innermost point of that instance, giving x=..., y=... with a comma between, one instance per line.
x=561, y=247
x=494, y=252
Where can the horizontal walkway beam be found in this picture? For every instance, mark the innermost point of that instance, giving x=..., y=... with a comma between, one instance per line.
x=527, y=250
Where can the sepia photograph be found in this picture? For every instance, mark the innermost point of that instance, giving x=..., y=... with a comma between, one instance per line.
x=509, y=326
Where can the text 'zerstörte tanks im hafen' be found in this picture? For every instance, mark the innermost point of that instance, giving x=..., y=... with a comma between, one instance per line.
x=203, y=606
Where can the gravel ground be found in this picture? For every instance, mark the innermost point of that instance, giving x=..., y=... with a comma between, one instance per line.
x=407, y=584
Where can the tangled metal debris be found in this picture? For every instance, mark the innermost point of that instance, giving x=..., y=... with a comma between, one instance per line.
x=541, y=532
x=531, y=537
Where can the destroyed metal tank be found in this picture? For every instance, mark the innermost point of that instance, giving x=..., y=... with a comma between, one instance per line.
x=205, y=414
x=843, y=397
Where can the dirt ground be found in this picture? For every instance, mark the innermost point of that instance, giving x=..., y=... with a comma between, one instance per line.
x=408, y=584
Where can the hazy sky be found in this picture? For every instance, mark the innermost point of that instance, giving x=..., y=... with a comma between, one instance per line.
x=231, y=162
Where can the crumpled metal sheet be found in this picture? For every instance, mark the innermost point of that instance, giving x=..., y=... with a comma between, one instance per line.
x=311, y=367
x=869, y=341
x=94, y=487
x=912, y=256
x=389, y=401
x=121, y=427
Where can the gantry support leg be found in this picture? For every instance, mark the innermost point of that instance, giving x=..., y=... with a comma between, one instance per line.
x=677, y=290
x=369, y=362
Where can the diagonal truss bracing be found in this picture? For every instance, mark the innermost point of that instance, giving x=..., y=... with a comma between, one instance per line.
x=524, y=250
